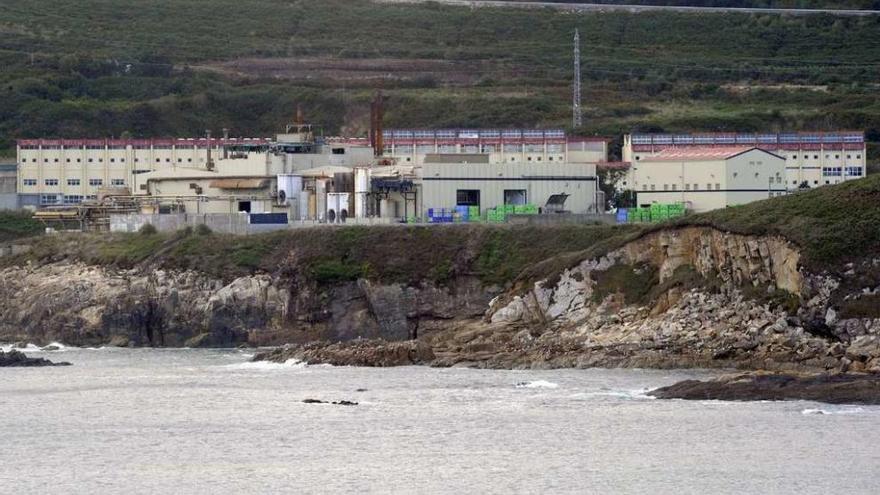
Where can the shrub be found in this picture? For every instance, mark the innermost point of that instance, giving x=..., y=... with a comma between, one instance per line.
x=148, y=229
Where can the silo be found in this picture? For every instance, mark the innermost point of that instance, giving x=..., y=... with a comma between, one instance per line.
x=361, y=190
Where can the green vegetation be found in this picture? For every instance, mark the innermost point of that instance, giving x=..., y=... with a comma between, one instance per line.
x=17, y=224
x=175, y=67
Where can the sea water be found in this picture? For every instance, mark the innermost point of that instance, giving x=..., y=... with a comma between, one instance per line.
x=209, y=421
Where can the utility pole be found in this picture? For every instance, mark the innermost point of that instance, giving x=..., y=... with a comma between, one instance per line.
x=576, y=118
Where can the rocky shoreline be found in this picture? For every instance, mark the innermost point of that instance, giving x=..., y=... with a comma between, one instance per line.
x=828, y=388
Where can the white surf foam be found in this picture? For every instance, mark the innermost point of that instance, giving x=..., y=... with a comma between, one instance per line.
x=27, y=348
x=267, y=365
x=537, y=384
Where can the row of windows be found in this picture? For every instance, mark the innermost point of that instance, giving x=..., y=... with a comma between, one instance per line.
x=828, y=156
x=406, y=149
x=687, y=187
x=68, y=199
x=112, y=160
x=73, y=182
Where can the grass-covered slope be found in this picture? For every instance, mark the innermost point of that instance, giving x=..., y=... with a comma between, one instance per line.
x=105, y=68
x=328, y=255
x=831, y=224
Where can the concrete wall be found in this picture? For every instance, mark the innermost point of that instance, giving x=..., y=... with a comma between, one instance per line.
x=236, y=223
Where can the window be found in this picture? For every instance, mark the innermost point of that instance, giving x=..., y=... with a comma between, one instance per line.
x=29, y=182
x=72, y=199
x=853, y=171
x=815, y=157
x=849, y=157
x=653, y=187
x=180, y=160
x=858, y=157
x=96, y=182
x=638, y=158
x=779, y=180
x=338, y=151
x=675, y=187
x=836, y=157
x=48, y=199
x=687, y=187
x=717, y=186
x=665, y=187
x=550, y=158
x=113, y=160
x=157, y=160
x=515, y=196
x=117, y=182
x=72, y=182
x=45, y=160
x=68, y=160
x=50, y=182
x=122, y=160
x=832, y=171
x=696, y=187
x=708, y=187
x=91, y=160
x=468, y=197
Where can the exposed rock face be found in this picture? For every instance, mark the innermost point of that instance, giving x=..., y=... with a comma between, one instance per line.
x=834, y=388
x=86, y=305
x=18, y=359
x=560, y=321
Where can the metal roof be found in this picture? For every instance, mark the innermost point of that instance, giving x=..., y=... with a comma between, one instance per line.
x=702, y=153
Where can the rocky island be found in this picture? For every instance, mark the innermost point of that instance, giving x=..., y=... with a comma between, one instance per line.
x=18, y=359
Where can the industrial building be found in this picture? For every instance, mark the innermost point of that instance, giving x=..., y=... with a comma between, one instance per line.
x=707, y=178
x=311, y=178
x=812, y=159
x=474, y=180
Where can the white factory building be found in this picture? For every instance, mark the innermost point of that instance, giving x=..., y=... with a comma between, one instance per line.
x=707, y=178
x=301, y=174
x=812, y=159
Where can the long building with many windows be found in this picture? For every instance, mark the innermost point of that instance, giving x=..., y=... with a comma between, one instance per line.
x=68, y=171
x=812, y=159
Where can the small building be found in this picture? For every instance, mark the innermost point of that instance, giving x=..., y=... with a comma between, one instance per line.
x=450, y=180
x=707, y=178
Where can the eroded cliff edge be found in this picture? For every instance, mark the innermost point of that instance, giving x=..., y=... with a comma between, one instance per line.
x=682, y=296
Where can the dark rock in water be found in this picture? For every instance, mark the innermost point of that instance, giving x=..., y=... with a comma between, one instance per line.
x=339, y=403
x=830, y=388
x=361, y=390
x=18, y=359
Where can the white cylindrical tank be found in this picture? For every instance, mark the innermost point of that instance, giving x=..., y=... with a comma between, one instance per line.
x=361, y=190
x=321, y=198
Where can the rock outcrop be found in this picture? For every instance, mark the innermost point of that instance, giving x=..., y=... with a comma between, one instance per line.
x=18, y=359
x=830, y=388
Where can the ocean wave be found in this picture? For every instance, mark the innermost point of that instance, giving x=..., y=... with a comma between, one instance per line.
x=537, y=384
x=639, y=394
x=267, y=365
x=831, y=410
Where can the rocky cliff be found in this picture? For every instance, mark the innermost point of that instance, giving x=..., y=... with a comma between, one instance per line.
x=676, y=297
x=89, y=305
x=684, y=297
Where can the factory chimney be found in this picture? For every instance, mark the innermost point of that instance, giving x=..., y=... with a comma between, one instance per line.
x=576, y=117
x=210, y=163
x=377, y=115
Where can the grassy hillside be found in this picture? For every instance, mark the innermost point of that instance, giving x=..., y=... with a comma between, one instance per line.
x=177, y=67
